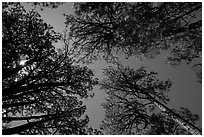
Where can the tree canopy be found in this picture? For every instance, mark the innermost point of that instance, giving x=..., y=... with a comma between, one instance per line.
x=136, y=29
x=43, y=93
x=42, y=5
x=127, y=103
x=132, y=97
x=43, y=87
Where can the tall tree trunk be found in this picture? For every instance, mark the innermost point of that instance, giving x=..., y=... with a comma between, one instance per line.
x=18, y=129
x=176, y=117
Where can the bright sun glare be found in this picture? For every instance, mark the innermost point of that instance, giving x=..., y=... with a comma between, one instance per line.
x=22, y=62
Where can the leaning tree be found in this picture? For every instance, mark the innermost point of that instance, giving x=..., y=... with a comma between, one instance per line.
x=41, y=88
x=105, y=29
x=161, y=124
x=132, y=95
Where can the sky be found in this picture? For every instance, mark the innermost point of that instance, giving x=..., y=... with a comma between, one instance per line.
x=185, y=90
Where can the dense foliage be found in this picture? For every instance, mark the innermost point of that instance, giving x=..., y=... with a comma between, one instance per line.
x=42, y=5
x=132, y=98
x=43, y=93
x=128, y=105
x=136, y=29
x=43, y=87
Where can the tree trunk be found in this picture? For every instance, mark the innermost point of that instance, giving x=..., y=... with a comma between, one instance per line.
x=23, y=127
x=176, y=117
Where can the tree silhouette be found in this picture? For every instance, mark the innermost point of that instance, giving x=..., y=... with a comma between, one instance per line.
x=105, y=29
x=163, y=124
x=43, y=94
x=42, y=5
x=132, y=96
x=135, y=29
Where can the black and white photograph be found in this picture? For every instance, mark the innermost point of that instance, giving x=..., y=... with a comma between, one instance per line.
x=101, y=68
